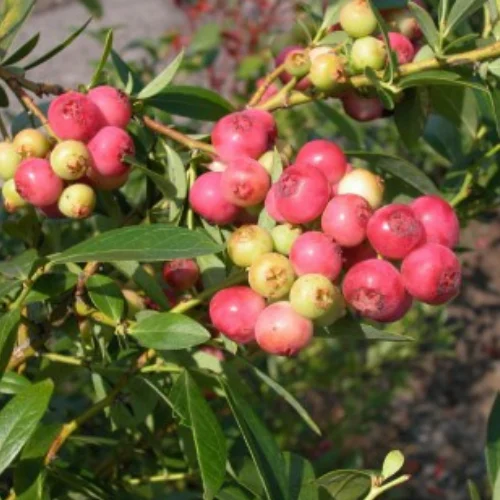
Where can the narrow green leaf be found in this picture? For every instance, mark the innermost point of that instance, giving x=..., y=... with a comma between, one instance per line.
x=8, y=330
x=208, y=437
x=4, y=98
x=21, y=266
x=93, y=6
x=260, y=442
x=160, y=83
x=331, y=15
x=410, y=117
x=461, y=10
x=8, y=286
x=129, y=79
x=106, y=296
x=426, y=23
x=12, y=383
x=22, y=51
x=493, y=442
x=393, y=463
x=51, y=285
x=13, y=14
x=108, y=46
x=158, y=242
x=59, y=48
x=159, y=181
x=205, y=39
x=19, y=418
x=334, y=38
x=473, y=491
x=346, y=484
x=345, y=126
x=169, y=331
x=430, y=77
x=400, y=168
x=301, y=478
x=177, y=176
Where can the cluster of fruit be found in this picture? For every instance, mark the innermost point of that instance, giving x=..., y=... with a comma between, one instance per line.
x=59, y=177
x=332, y=229
x=327, y=68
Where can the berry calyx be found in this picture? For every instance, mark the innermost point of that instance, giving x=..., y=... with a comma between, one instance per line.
x=247, y=244
x=234, y=312
x=9, y=160
x=394, y=231
x=70, y=160
x=282, y=331
x=365, y=184
x=77, y=201
x=315, y=253
x=301, y=194
x=37, y=183
x=74, y=116
x=284, y=236
x=374, y=289
x=11, y=198
x=285, y=77
x=345, y=219
x=245, y=182
x=325, y=156
x=335, y=312
x=440, y=221
x=368, y=52
x=206, y=199
x=432, y=274
x=271, y=275
x=297, y=63
x=357, y=19
x=113, y=104
x=31, y=143
x=108, y=149
x=361, y=108
x=327, y=72
x=181, y=274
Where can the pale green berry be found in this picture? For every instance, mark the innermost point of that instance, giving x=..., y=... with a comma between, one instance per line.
x=368, y=52
x=11, y=198
x=284, y=237
x=70, y=160
x=247, y=244
x=77, y=201
x=9, y=160
x=357, y=19
x=31, y=143
x=271, y=275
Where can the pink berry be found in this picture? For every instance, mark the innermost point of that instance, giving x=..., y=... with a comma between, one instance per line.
x=181, y=274
x=432, y=274
x=245, y=182
x=52, y=211
x=242, y=134
x=104, y=182
x=439, y=220
x=234, y=312
x=394, y=231
x=302, y=194
x=353, y=255
x=360, y=108
x=285, y=77
x=402, y=46
x=37, y=183
x=374, y=289
x=282, y=331
x=325, y=156
x=315, y=253
x=400, y=313
x=113, y=104
x=271, y=205
x=271, y=91
x=108, y=149
x=75, y=116
x=345, y=219
x=206, y=199
x=268, y=121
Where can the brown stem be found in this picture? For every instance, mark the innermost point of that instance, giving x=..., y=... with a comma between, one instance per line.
x=40, y=89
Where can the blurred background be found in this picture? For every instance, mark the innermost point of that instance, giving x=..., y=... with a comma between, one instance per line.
x=430, y=398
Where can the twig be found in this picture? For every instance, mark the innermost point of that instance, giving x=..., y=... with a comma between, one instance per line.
x=270, y=78
x=89, y=270
x=40, y=89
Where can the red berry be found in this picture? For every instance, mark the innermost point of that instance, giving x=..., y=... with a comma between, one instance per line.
x=242, y=134
x=360, y=108
x=52, y=211
x=285, y=77
x=325, y=156
x=267, y=120
x=403, y=308
x=316, y=253
x=206, y=200
x=402, y=46
x=439, y=220
x=353, y=255
x=37, y=183
x=75, y=116
x=245, y=182
x=234, y=312
x=432, y=274
x=108, y=148
x=394, y=231
x=271, y=205
x=280, y=330
x=345, y=219
x=374, y=289
x=181, y=274
x=113, y=104
x=302, y=194
x=104, y=182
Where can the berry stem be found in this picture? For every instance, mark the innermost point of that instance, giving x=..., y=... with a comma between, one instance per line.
x=177, y=136
x=270, y=78
x=376, y=491
x=90, y=269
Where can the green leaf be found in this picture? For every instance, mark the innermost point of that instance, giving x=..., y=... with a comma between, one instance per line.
x=331, y=15
x=13, y=13
x=334, y=38
x=51, y=285
x=493, y=442
x=461, y=10
x=301, y=478
x=12, y=383
x=206, y=38
x=93, y=6
x=108, y=46
x=19, y=418
x=494, y=67
x=260, y=442
x=129, y=79
x=265, y=220
x=160, y=83
x=473, y=491
x=431, y=77
x=58, y=48
x=169, y=331
x=192, y=102
x=426, y=23
x=410, y=117
x=345, y=126
x=8, y=286
x=213, y=270
x=177, y=176
x=8, y=330
x=400, y=168
x=159, y=181
x=393, y=463
x=106, y=296
x=208, y=437
x=346, y=484
x=21, y=266
x=22, y=51
x=158, y=242
x=4, y=98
